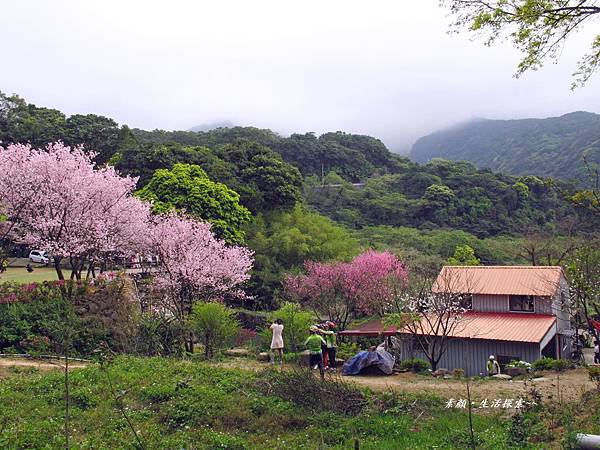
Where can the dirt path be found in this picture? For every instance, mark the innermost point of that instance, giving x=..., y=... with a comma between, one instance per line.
x=43, y=365
x=573, y=383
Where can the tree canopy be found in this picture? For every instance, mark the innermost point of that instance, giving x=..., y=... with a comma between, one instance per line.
x=186, y=187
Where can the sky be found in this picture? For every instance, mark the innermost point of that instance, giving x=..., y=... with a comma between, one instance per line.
x=384, y=68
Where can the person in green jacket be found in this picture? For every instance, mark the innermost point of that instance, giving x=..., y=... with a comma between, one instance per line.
x=493, y=368
x=331, y=343
x=313, y=343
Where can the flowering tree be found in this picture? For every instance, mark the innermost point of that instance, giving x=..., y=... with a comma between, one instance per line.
x=56, y=200
x=193, y=264
x=338, y=290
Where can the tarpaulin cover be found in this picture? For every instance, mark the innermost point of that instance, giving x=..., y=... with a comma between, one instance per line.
x=379, y=358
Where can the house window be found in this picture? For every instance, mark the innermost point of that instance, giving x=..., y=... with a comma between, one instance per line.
x=521, y=303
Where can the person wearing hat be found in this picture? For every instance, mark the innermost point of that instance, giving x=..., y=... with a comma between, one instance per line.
x=313, y=343
x=493, y=368
x=331, y=344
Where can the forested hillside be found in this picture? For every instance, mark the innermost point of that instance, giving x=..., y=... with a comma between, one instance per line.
x=552, y=147
x=309, y=197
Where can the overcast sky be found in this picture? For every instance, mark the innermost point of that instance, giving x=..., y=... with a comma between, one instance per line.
x=381, y=68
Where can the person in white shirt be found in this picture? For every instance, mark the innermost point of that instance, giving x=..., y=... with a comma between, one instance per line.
x=277, y=341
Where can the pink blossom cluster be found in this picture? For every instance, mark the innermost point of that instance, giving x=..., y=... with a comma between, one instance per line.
x=57, y=201
x=367, y=284
x=194, y=265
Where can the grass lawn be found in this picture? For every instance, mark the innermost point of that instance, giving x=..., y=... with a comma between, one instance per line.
x=20, y=275
x=196, y=405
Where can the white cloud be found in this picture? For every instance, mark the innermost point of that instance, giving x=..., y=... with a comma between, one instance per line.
x=380, y=68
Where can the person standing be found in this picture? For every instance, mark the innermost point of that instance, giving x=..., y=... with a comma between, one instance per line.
x=331, y=344
x=314, y=343
x=277, y=341
x=597, y=353
x=493, y=368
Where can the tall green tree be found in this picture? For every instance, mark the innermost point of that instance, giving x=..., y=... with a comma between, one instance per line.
x=187, y=187
x=283, y=241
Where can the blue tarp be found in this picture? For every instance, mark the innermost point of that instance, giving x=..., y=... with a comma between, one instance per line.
x=378, y=358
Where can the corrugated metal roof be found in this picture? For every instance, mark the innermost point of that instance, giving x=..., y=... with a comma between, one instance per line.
x=499, y=280
x=515, y=327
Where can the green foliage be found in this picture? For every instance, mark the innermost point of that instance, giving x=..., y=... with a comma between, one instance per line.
x=537, y=28
x=296, y=323
x=415, y=364
x=283, y=241
x=544, y=363
x=36, y=318
x=187, y=187
x=159, y=335
x=301, y=387
x=463, y=256
x=24, y=122
x=192, y=404
x=215, y=325
x=560, y=365
x=550, y=147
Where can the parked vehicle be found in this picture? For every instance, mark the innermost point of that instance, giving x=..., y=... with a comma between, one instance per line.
x=39, y=256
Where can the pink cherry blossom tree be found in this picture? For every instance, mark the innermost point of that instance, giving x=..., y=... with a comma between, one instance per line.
x=194, y=265
x=57, y=201
x=340, y=290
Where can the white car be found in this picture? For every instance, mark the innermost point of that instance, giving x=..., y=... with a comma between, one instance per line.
x=39, y=256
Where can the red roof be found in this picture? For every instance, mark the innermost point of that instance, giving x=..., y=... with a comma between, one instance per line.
x=372, y=328
x=515, y=327
x=499, y=280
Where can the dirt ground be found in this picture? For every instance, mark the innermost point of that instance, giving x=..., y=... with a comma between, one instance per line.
x=573, y=383
x=42, y=365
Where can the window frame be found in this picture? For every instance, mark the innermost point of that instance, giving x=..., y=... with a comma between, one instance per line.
x=523, y=299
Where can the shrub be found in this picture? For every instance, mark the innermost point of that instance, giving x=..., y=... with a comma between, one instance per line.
x=519, y=365
x=159, y=335
x=215, y=325
x=561, y=365
x=244, y=336
x=302, y=388
x=296, y=323
x=594, y=374
x=458, y=373
x=543, y=363
x=415, y=364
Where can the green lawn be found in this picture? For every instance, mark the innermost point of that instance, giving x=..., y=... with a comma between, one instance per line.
x=195, y=405
x=20, y=275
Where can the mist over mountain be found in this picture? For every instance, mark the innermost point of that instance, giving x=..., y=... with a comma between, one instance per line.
x=552, y=147
x=212, y=126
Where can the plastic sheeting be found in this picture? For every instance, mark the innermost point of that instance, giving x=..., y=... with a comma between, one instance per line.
x=379, y=358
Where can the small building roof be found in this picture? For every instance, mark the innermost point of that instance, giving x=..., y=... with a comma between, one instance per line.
x=514, y=327
x=499, y=280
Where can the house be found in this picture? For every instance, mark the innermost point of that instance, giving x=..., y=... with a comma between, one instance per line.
x=512, y=312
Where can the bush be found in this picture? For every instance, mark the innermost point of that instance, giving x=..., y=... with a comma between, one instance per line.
x=215, y=325
x=458, y=373
x=159, y=335
x=34, y=317
x=594, y=374
x=296, y=323
x=415, y=364
x=302, y=388
x=561, y=365
x=543, y=363
x=519, y=365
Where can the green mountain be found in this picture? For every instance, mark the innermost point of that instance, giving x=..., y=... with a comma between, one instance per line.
x=552, y=147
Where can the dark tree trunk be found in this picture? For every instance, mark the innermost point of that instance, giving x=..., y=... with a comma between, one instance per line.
x=58, y=269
